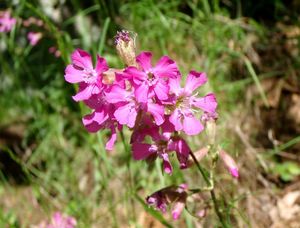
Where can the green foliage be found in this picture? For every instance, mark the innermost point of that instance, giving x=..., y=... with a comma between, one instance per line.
x=287, y=170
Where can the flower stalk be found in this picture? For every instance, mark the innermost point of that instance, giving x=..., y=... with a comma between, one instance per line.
x=131, y=182
x=210, y=182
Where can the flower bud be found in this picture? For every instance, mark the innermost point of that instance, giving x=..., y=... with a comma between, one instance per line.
x=125, y=45
x=211, y=131
x=176, y=195
x=229, y=163
x=209, y=119
x=199, y=155
x=202, y=213
x=177, y=209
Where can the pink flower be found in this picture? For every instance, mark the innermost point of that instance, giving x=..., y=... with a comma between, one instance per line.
x=127, y=107
x=98, y=120
x=101, y=117
x=175, y=195
x=163, y=143
x=143, y=128
x=81, y=71
x=229, y=163
x=182, y=150
x=59, y=220
x=149, y=81
x=53, y=50
x=34, y=37
x=6, y=21
x=159, y=147
x=185, y=103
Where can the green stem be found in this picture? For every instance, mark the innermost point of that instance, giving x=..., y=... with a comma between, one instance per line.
x=131, y=185
x=212, y=192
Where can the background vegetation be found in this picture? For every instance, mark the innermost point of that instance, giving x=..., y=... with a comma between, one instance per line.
x=49, y=162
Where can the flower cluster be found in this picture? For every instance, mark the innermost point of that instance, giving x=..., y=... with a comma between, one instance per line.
x=145, y=97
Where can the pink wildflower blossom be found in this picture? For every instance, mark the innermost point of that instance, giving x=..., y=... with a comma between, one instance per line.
x=182, y=150
x=149, y=81
x=81, y=71
x=6, y=21
x=34, y=37
x=185, y=102
x=127, y=107
x=163, y=144
x=102, y=117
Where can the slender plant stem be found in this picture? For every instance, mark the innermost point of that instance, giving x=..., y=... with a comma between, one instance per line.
x=131, y=186
x=212, y=192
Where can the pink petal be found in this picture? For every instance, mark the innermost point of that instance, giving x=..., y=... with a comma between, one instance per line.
x=88, y=119
x=116, y=94
x=145, y=127
x=144, y=60
x=73, y=75
x=93, y=127
x=34, y=37
x=141, y=151
x=194, y=80
x=182, y=151
x=234, y=172
x=98, y=116
x=166, y=164
x=167, y=126
x=174, y=84
x=126, y=115
x=177, y=210
x=84, y=93
x=82, y=59
x=157, y=112
x=120, y=79
x=136, y=75
x=207, y=103
x=191, y=125
x=94, y=101
x=166, y=67
x=101, y=65
x=175, y=119
x=111, y=142
x=229, y=163
x=161, y=90
x=141, y=93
